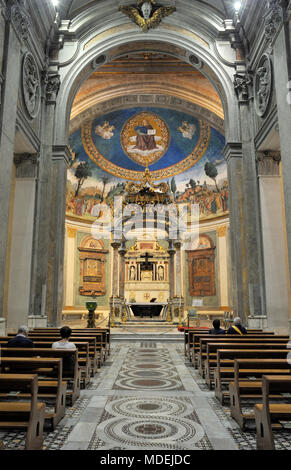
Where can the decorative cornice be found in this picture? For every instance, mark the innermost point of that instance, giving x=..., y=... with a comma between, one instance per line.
x=268, y=163
x=61, y=153
x=232, y=150
x=16, y=12
x=273, y=19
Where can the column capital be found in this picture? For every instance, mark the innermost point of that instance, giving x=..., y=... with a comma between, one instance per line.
x=221, y=231
x=268, y=163
x=71, y=231
x=51, y=82
x=115, y=245
x=26, y=165
x=177, y=244
x=232, y=150
x=243, y=83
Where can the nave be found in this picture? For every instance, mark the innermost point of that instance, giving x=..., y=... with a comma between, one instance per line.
x=147, y=396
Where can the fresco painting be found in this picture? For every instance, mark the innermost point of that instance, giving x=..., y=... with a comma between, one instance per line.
x=117, y=147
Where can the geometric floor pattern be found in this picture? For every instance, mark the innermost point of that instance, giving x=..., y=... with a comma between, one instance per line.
x=146, y=397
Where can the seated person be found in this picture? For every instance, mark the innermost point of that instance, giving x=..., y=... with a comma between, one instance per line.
x=237, y=328
x=21, y=340
x=216, y=330
x=64, y=343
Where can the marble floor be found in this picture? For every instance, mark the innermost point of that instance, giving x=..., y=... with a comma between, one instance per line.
x=146, y=397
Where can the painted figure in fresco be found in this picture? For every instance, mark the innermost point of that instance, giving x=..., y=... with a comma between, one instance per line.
x=145, y=139
x=187, y=130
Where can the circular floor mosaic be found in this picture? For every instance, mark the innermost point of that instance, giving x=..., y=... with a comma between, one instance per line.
x=146, y=432
x=144, y=407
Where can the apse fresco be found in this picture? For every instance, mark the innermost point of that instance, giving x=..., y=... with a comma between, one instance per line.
x=117, y=147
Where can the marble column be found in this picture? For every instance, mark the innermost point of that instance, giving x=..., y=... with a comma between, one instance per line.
x=115, y=246
x=10, y=79
x=239, y=286
x=70, y=267
x=21, y=241
x=61, y=157
x=223, y=268
x=282, y=74
x=276, y=282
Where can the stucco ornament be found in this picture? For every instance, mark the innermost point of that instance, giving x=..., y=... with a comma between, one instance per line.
x=147, y=14
x=263, y=85
x=31, y=85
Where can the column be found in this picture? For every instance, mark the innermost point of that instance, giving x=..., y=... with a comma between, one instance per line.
x=172, y=252
x=10, y=78
x=115, y=246
x=55, y=282
x=122, y=251
x=41, y=284
x=233, y=156
x=282, y=72
x=21, y=241
x=178, y=269
x=223, y=267
x=276, y=282
x=70, y=267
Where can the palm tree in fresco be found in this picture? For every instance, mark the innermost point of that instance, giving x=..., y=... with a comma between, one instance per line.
x=211, y=171
x=105, y=180
x=82, y=172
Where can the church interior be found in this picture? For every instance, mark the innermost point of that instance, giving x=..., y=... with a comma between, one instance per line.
x=146, y=218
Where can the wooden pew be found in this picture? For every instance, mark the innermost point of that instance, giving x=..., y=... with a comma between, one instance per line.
x=49, y=370
x=267, y=415
x=246, y=389
x=200, y=341
x=203, y=351
x=187, y=332
x=212, y=356
x=95, y=344
x=28, y=415
x=224, y=372
x=102, y=336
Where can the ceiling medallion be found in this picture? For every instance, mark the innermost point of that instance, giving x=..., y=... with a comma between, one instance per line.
x=147, y=14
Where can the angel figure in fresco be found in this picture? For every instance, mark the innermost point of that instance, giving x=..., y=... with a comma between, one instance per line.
x=146, y=14
x=105, y=131
x=187, y=130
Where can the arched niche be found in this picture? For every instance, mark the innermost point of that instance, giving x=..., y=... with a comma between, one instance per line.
x=201, y=268
x=92, y=280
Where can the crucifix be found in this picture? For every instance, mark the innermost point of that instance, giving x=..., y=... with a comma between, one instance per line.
x=146, y=266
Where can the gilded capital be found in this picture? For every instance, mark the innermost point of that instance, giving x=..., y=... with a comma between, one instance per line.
x=221, y=231
x=71, y=232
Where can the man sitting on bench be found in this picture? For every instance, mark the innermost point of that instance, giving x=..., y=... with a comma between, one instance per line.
x=237, y=328
x=64, y=343
x=216, y=330
x=21, y=340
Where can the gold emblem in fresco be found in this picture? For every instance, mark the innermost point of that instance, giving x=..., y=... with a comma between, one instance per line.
x=145, y=138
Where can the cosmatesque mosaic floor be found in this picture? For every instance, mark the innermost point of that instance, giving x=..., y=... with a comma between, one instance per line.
x=147, y=397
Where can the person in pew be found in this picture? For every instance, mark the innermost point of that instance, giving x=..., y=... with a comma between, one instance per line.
x=216, y=330
x=21, y=340
x=237, y=328
x=64, y=343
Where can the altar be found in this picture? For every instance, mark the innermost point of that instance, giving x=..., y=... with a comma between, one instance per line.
x=147, y=309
